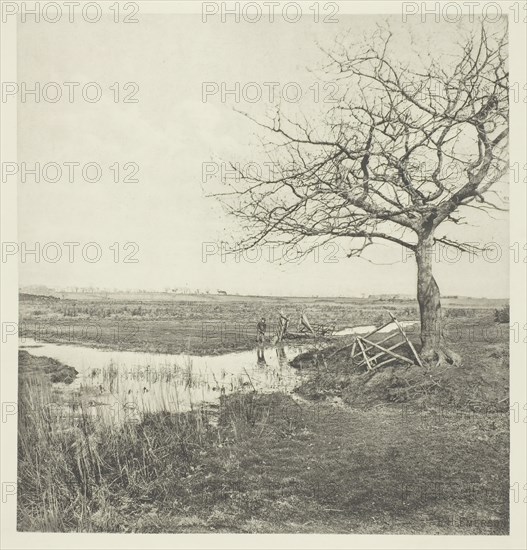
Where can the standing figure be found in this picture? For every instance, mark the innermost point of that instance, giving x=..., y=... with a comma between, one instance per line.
x=261, y=327
x=260, y=331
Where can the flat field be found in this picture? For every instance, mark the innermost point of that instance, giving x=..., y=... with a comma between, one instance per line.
x=206, y=324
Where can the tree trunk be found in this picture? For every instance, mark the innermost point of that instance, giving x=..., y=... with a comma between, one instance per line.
x=433, y=350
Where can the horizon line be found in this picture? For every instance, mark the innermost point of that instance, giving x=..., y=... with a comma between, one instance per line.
x=21, y=290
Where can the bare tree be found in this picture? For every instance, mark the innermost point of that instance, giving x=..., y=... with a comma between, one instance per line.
x=405, y=151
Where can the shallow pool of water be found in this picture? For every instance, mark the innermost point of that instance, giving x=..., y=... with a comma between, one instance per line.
x=111, y=380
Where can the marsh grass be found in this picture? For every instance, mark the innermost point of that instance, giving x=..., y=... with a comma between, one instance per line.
x=72, y=462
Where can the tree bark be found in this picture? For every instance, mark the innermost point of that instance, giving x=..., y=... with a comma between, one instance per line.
x=433, y=350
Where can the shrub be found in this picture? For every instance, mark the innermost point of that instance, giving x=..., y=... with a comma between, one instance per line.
x=502, y=315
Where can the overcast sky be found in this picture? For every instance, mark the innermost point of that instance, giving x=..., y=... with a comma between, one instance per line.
x=169, y=133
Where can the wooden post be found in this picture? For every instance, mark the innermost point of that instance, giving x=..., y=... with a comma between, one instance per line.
x=411, y=346
x=282, y=330
x=359, y=341
x=353, y=348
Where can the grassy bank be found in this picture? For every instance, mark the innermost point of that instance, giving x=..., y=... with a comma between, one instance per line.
x=44, y=369
x=479, y=383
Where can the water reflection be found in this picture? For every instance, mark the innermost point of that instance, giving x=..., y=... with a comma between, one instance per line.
x=281, y=356
x=260, y=357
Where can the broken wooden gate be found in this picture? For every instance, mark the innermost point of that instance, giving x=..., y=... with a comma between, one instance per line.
x=372, y=355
